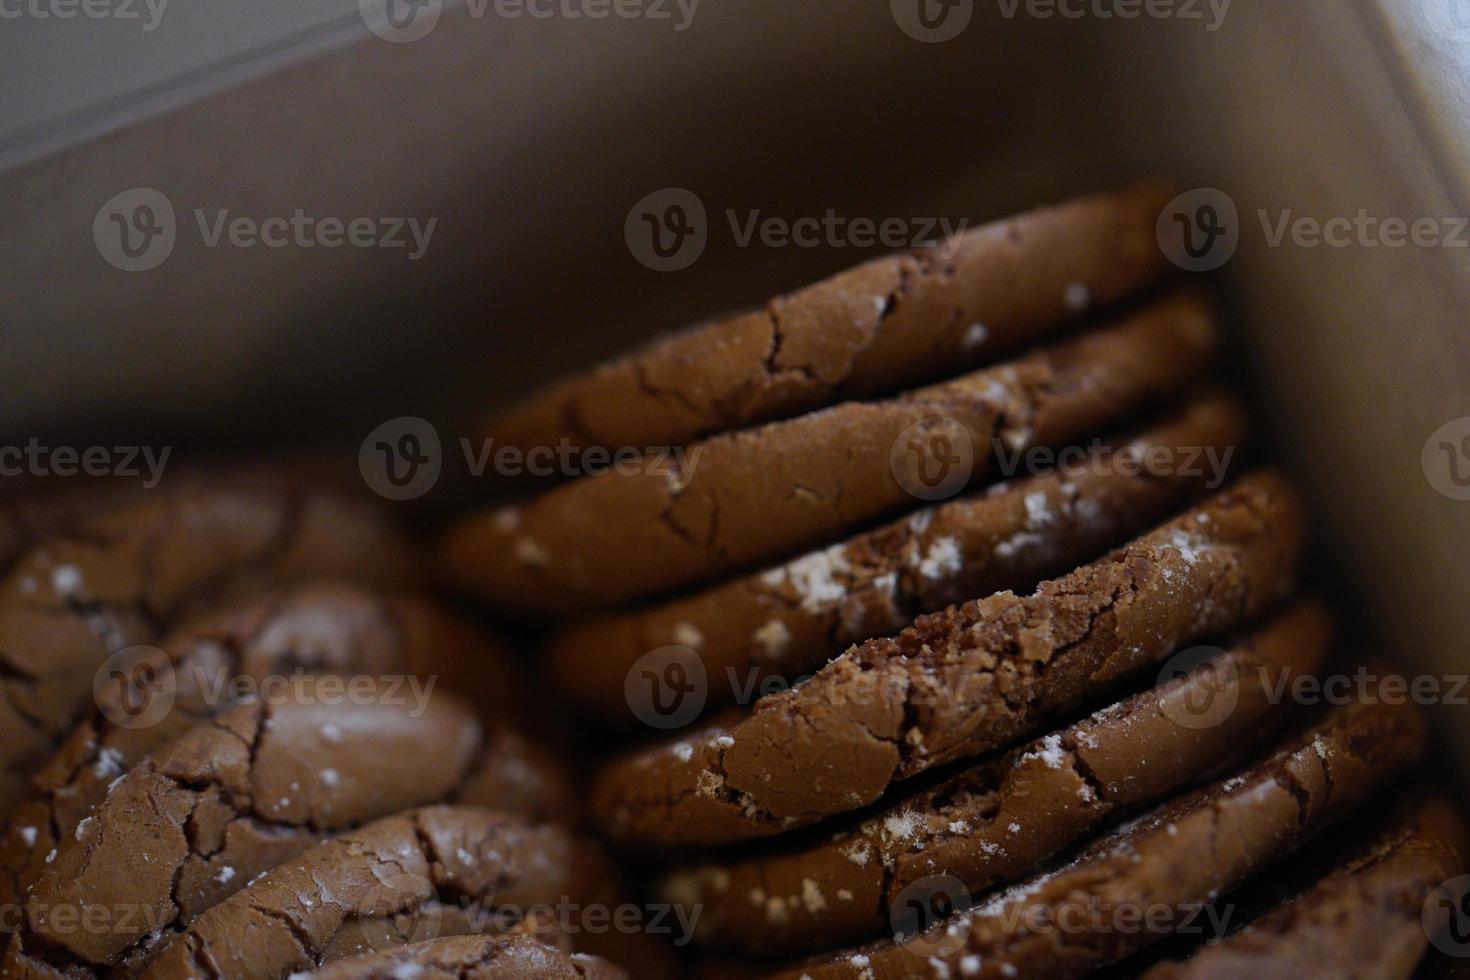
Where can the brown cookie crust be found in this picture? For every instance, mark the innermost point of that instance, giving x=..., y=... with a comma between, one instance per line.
x=1362, y=922
x=961, y=682
x=235, y=796
x=790, y=619
x=321, y=906
x=39, y=508
x=763, y=494
x=998, y=821
x=1133, y=887
x=899, y=320
x=471, y=958
x=320, y=627
x=122, y=578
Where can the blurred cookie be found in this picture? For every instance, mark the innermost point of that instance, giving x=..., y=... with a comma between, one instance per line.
x=316, y=628
x=968, y=680
x=1136, y=886
x=993, y=823
x=899, y=320
x=121, y=578
x=762, y=494
x=792, y=618
x=1364, y=921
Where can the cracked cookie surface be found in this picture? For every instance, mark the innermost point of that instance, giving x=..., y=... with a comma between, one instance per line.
x=237, y=795
x=384, y=885
x=1363, y=921
x=316, y=628
x=762, y=494
x=790, y=619
x=898, y=320
x=1138, y=884
x=124, y=577
x=970, y=679
x=993, y=823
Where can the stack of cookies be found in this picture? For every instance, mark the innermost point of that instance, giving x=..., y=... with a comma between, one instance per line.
x=963, y=638
x=936, y=621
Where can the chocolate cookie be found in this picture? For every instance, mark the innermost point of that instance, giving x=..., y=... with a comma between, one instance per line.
x=333, y=900
x=762, y=494
x=470, y=958
x=119, y=579
x=1363, y=921
x=38, y=509
x=790, y=619
x=236, y=796
x=961, y=682
x=1136, y=886
x=317, y=628
x=993, y=823
x=895, y=321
